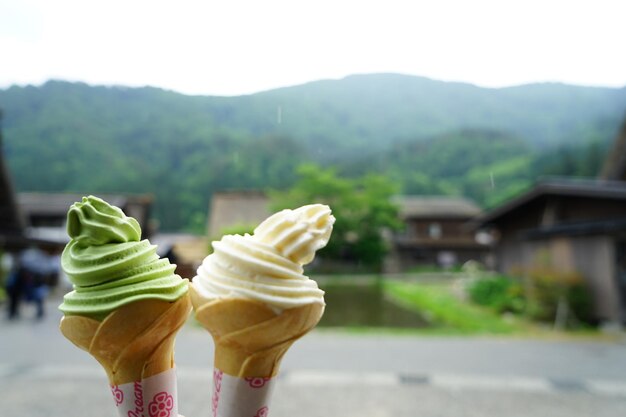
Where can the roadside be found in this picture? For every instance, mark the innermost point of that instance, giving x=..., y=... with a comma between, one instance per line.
x=332, y=372
x=79, y=396
x=36, y=343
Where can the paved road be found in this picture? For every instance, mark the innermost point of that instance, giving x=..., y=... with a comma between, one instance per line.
x=338, y=374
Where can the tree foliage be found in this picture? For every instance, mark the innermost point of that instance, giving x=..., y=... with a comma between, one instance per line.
x=362, y=207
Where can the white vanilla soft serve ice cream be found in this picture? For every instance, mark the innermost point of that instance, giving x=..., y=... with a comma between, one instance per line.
x=267, y=266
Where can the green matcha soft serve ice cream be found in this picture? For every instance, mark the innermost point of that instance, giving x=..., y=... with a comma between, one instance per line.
x=109, y=264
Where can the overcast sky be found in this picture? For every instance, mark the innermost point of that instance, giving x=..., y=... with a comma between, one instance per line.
x=232, y=47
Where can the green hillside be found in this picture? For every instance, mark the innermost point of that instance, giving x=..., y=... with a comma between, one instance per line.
x=430, y=136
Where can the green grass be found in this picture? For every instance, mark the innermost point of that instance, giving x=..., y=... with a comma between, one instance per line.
x=435, y=269
x=446, y=312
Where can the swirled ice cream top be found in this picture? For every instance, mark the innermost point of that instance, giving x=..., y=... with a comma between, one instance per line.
x=108, y=263
x=267, y=266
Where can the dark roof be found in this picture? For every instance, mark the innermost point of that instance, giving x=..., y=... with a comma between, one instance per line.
x=422, y=206
x=591, y=188
x=54, y=206
x=57, y=204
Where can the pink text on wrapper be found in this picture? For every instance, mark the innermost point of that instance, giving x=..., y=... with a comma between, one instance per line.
x=138, y=411
x=154, y=396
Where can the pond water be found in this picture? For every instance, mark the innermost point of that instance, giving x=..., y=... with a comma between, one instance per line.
x=365, y=304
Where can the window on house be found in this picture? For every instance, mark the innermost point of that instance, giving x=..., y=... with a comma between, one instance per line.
x=434, y=230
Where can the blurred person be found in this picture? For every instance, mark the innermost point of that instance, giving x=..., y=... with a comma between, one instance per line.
x=14, y=286
x=36, y=270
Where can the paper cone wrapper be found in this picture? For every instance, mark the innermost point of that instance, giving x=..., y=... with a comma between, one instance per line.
x=250, y=342
x=135, y=346
x=155, y=396
x=240, y=397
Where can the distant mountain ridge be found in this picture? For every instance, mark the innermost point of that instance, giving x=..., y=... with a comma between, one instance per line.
x=104, y=139
x=385, y=108
x=379, y=107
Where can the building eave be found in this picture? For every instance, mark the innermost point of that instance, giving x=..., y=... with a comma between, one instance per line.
x=572, y=187
x=604, y=227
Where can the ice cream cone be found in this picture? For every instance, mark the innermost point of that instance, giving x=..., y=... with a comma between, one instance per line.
x=252, y=296
x=126, y=307
x=135, y=341
x=250, y=338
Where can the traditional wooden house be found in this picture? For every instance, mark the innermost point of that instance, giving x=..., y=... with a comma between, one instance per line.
x=45, y=213
x=227, y=209
x=240, y=208
x=572, y=226
x=436, y=233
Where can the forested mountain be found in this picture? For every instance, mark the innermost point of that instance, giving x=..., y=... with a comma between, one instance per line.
x=384, y=109
x=486, y=165
x=430, y=136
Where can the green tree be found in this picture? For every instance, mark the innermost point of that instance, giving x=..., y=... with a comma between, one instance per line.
x=362, y=207
x=418, y=183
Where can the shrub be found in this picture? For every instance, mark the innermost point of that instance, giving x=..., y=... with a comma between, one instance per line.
x=548, y=288
x=500, y=293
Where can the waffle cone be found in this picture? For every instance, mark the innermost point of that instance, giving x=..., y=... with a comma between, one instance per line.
x=250, y=338
x=133, y=342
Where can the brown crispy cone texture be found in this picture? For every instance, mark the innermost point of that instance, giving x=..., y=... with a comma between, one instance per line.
x=133, y=342
x=250, y=338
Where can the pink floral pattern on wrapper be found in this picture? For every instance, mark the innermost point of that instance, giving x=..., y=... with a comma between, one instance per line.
x=217, y=379
x=217, y=387
x=257, y=382
x=263, y=412
x=240, y=396
x=161, y=405
x=118, y=395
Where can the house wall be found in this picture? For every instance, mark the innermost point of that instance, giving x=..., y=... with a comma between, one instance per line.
x=236, y=208
x=572, y=209
x=450, y=228
x=527, y=217
x=594, y=258
x=514, y=254
x=416, y=245
x=406, y=258
x=591, y=256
